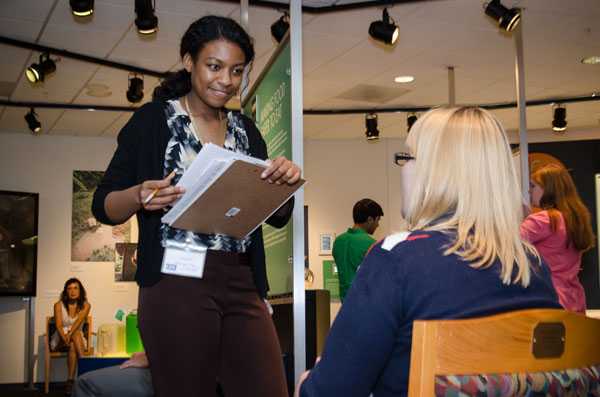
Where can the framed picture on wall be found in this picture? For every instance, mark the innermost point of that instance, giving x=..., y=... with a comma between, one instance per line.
x=326, y=243
x=92, y=241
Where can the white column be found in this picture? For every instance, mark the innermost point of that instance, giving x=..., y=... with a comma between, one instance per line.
x=298, y=215
x=244, y=14
x=520, y=83
x=451, y=87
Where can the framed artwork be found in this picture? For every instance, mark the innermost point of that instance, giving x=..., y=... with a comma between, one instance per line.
x=326, y=243
x=92, y=241
x=125, y=261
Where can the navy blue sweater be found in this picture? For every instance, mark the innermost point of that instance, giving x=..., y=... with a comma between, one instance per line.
x=368, y=347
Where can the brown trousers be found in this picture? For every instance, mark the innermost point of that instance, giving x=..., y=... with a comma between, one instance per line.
x=196, y=331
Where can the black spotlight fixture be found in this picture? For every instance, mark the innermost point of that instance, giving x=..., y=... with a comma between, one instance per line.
x=410, y=120
x=372, y=133
x=385, y=30
x=32, y=122
x=146, y=21
x=38, y=71
x=82, y=8
x=280, y=27
x=559, y=123
x=507, y=19
x=135, y=92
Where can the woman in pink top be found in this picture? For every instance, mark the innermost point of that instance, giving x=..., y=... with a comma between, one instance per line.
x=561, y=230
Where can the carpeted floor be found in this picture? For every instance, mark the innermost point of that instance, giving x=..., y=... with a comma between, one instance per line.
x=20, y=390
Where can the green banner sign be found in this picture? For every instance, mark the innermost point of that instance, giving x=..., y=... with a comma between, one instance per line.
x=269, y=105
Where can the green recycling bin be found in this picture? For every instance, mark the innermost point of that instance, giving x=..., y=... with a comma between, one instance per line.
x=133, y=341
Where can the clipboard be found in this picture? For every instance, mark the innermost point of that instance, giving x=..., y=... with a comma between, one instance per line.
x=236, y=203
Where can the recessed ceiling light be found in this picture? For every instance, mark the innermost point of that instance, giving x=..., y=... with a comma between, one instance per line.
x=593, y=60
x=98, y=90
x=404, y=79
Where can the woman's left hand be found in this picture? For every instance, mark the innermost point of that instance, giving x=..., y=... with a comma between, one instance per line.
x=281, y=170
x=300, y=381
x=303, y=378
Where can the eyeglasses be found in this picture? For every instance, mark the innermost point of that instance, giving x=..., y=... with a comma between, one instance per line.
x=402, y=158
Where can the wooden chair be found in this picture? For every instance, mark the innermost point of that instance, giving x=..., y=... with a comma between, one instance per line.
x=49, y=354
x=524, y=341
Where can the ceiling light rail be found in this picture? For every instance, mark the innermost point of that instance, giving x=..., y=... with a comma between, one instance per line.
x=326, y=9
x=312, y=112
x=72, y=106
x=489, y=106
x=81, y=57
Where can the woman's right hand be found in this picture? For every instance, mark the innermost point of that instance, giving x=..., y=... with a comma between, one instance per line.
x=161, y=192
x=137, y=360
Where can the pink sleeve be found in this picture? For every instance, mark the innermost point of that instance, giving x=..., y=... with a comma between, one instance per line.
x=536, y=227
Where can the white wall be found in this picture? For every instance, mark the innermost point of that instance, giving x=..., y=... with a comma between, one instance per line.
x=339, y=173
x=45, y=164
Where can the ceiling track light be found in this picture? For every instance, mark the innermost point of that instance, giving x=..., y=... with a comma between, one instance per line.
x=135, y=92
x=410, y=120
x=82, y=8
x=372, y=133
x=38, y=71
x=507, y=19
x=280, y=27
x=559, y=122
x=146, y=20
x=385, y=30
x=32, y=122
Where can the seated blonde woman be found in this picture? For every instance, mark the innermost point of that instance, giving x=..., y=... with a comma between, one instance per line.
x=462, y=256
x=70, y=313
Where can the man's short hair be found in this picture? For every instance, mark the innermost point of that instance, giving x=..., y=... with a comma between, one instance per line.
x=364, y=209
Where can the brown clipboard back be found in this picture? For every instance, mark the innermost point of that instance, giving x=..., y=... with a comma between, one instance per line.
x=239, y=187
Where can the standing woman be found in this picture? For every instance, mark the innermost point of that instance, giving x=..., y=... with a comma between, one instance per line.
x=197, y=330
x=561, y=230
x=70, y=312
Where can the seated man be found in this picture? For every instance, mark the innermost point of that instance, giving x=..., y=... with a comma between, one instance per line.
x=130, y=379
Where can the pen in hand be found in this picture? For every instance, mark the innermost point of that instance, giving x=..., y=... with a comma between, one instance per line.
x=153, y=193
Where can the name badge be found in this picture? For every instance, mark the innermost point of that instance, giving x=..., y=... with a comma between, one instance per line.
x=184, y=259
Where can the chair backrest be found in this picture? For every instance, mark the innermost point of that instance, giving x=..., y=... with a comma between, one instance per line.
x=86, y=328
x=524, y=341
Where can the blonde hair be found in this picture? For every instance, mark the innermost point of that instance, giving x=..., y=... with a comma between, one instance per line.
x=466, y=183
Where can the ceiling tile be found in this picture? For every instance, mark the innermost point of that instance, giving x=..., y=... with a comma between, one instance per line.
x=114, y=128
x=114, y=82
x=61, y=86
x=20, y=29
x=146, y=51
x=30, y=10
x=12, y=62
x=84, y=123
x=81, y=40
x=13, y=119
x=107, y=17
